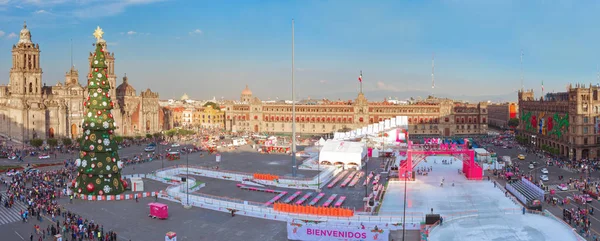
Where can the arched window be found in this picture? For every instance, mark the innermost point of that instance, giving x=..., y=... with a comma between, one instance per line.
x=30, y=87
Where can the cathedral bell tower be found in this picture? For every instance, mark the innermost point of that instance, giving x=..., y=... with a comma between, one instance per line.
x=26, y=73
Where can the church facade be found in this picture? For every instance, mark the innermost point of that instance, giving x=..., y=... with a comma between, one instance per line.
x=29, y=109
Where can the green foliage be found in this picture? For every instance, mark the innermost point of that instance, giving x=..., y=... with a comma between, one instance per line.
x=170, y=133
x=550, y=149
x=52, y=142
x=118, y=139
x=148, y=135
x=521, y=140
x=36, y=142
x=139, y=137
x=67, y=141
x=157, y=135
x=513, y=123
x=213, y=105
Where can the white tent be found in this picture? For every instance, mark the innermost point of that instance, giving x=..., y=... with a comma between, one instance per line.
x=321, y=142
x=346, y=153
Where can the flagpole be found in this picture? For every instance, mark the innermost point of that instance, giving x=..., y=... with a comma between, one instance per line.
x=293, y=110
x=361, y=81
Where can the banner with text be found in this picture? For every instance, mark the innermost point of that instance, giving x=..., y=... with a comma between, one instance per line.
x=297, y=231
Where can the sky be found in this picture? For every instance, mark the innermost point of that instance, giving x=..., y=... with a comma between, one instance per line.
x=214, y=48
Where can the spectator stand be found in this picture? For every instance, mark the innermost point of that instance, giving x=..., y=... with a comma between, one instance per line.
x=348, y=179
x=304, y=198
x=330, y=200
x=291, y=198
x=356, y=178
x=340, y=201
x=337, y=179
x=316, y=199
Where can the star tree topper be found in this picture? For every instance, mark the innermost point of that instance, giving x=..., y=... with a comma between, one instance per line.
x=98, y=33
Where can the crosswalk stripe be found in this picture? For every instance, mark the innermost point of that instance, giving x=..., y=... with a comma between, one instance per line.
x=10, y=215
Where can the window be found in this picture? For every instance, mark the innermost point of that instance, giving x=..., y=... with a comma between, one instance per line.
x=585, y=130
x=585, y=119
x=585, y=141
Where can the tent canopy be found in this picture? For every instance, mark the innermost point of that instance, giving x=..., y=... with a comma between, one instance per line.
x=344, y=152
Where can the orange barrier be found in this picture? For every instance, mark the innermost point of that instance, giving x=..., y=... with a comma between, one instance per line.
x=312, y=210
x=262, y=176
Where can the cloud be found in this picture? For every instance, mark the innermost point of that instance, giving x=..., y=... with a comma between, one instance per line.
x=41, y=11
x=2, y=33
x=383, y=86
x=323, y=81
x=131, y=32
x=12, y=35
x=197, y=31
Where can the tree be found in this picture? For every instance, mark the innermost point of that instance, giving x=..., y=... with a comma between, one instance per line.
x=157, y=135
x=139, y=137
x=36, y=142
x=148, y=136
x=67, y=141
x=213, y=105
x=513, y=123
x=99, y=166
x=52, y=142
x=119, y=139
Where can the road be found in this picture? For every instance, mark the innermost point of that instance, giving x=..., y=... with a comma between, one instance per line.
x=553, y=174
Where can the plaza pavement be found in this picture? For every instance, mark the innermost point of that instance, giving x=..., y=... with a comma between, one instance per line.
x=554, y=172
x=129, y=219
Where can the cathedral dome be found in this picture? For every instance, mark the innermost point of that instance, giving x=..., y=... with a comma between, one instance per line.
x=125, y=88
x=246, y=91
x=185, y=97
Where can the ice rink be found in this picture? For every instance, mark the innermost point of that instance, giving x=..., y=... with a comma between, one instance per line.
x=479, y=211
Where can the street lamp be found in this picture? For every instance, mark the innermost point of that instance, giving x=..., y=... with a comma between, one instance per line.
x=404, y=213
x=319, y=166
x=187, y=178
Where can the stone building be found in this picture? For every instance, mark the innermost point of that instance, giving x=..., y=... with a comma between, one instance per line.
x=566, y=121
x=500, y=113
x=431, y=117
x=30, y=109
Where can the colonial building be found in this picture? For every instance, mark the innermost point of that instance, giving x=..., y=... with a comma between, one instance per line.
x=566, y=121
x=500, y=113
x=30, y=109
x=431, y=117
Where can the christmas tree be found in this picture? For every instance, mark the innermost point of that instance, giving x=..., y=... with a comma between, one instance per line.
x=99, y=167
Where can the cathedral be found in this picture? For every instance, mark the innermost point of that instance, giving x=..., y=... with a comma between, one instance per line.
x=29, y=109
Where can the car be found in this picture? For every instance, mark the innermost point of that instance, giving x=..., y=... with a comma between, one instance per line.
x=544, y=178
x=563, y=187
x=531, y=166
x=150, y=149
x=175, y=145
x=44, y=156
x=13, y=157
x=544, y=170
x=521, y=157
